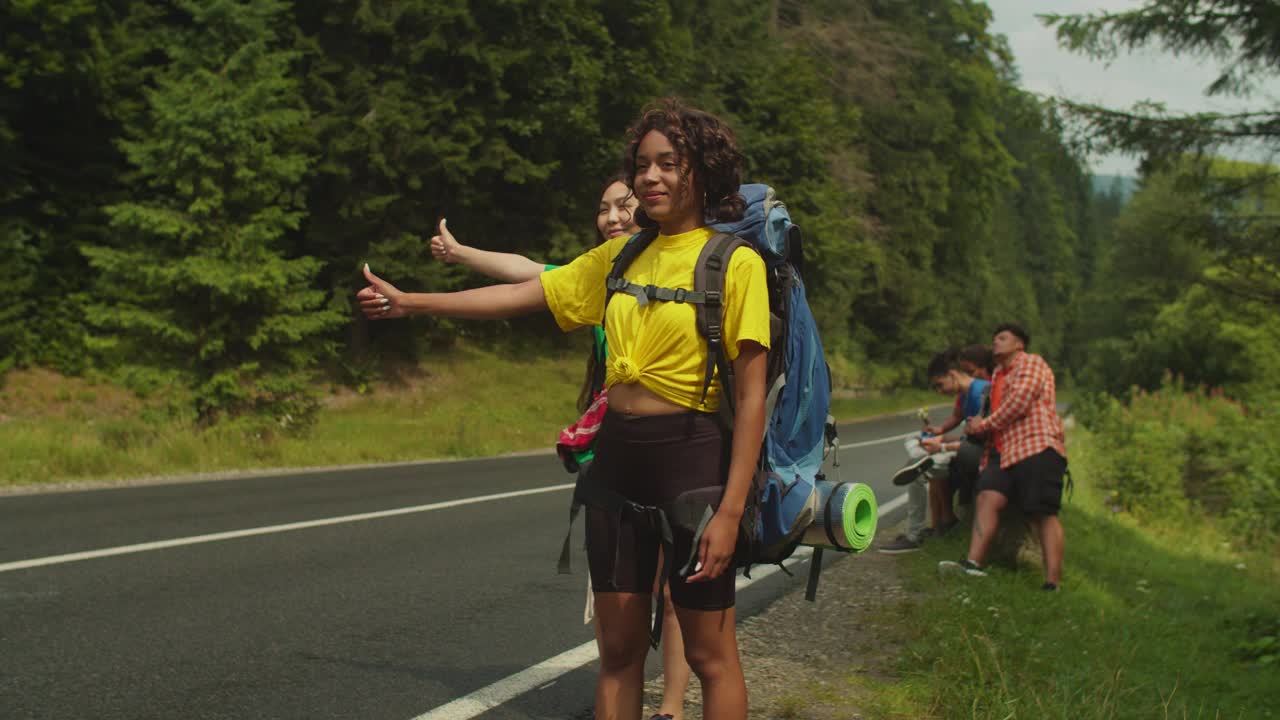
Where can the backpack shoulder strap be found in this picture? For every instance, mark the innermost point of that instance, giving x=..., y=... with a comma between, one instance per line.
x=643, y=293
x=631, y=249
x=708, y=279
x=627, y=255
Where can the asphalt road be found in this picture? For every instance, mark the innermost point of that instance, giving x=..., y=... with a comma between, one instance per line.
x=386, y=615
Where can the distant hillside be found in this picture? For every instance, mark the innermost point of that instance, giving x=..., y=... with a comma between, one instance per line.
x=1126, y=184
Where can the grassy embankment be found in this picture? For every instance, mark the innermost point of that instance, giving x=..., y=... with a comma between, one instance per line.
x=469, y=404
x=1156, y=620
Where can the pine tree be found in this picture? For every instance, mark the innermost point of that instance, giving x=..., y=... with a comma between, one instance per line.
x=484, y=112
x=59, y=167
x=193, y=282
x=1242, y=35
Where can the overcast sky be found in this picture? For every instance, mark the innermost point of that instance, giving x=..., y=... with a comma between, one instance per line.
x=1151, y=75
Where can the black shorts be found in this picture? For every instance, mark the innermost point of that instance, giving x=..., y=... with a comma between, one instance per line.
x=1033, y=485
x=652, y=460
x=963, y=470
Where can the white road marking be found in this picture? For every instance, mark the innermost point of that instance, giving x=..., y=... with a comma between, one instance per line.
x=268, y=530
x=892, y=505
x=486, y=698
x=513, y=686
x=289, y=527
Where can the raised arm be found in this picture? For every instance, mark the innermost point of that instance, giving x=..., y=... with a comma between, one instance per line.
x=381, y=300
x=507, y=267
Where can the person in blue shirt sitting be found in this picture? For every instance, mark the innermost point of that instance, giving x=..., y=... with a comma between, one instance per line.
x=931, y=454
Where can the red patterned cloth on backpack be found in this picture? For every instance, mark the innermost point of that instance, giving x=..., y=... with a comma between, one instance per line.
x=580, y=436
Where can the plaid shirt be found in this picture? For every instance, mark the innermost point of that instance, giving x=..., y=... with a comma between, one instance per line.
x=1023, y=420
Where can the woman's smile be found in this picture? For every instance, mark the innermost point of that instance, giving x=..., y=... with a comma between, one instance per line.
x=650, y=197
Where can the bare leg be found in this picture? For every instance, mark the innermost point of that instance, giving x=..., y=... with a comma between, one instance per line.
x=675, y=669
x=711, y=647
x=986, y=520
x=1051, y=545
x=622, y=635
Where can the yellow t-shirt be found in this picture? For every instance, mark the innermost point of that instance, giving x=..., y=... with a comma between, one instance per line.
x=658, y=345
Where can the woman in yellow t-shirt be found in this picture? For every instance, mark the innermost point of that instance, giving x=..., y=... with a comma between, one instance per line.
x=660, y=439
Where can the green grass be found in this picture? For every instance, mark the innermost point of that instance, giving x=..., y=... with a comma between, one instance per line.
x=1153, y=622
x=468, y=403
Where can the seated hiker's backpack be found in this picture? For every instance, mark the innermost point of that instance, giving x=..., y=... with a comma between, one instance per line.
x=782, y=501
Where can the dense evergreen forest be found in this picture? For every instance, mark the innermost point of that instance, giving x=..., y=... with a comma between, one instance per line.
x=192, y=186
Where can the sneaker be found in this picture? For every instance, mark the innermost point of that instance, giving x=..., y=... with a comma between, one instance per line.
x=902, y=544
x=912, y=470
x=1049, y=587
x=964, y=567
x=663, y=716
x=945, y=529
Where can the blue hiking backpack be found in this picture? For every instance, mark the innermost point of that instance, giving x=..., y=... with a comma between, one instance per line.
x=798, y=383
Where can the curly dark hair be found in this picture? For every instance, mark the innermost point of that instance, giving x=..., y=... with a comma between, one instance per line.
x=706, y=151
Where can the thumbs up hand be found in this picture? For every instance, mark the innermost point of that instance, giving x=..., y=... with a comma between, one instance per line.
x=444, y=247
x=380, y=300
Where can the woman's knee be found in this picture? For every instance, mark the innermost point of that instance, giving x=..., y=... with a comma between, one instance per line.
x=711, y=663
x=710, y=647
x=623, y=629
x=619, y=651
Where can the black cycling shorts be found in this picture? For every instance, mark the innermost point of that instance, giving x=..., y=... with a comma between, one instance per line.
x=651, y=460
x=1033, y=485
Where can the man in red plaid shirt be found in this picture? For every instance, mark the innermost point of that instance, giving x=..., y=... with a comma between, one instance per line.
x=1026, y=457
